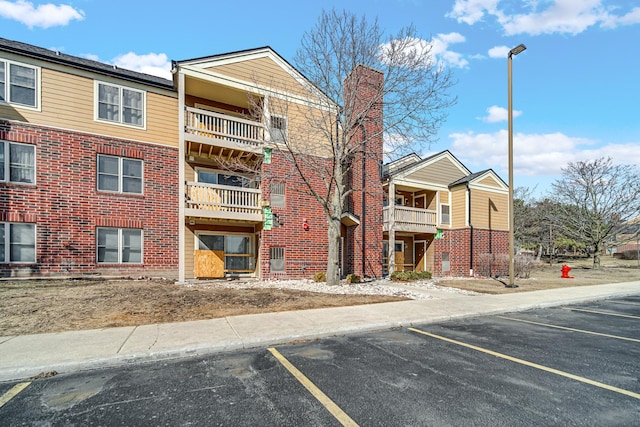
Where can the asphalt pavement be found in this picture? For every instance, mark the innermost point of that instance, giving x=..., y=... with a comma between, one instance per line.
x=29, y=355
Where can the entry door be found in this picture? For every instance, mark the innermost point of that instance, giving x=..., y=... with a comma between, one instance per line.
x=419, y=251
x=398, y=256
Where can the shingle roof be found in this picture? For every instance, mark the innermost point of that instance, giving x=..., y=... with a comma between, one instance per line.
x=82, y=63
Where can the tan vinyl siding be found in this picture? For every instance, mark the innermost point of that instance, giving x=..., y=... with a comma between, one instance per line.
x=67, y=101
x=441, y=172
x=189, y=253
x=459, y=207
x=489, y=210
x=263, y=71
x=490, y=182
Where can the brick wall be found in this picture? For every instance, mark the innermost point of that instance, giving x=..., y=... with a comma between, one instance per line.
x=66, y=207
x=305, y=250
x=489, y=249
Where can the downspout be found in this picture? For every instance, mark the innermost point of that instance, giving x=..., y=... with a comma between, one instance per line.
x=470, y=231
x=181, y=178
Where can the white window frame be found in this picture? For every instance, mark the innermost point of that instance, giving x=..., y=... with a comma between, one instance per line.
x=442, y=216
x=6, y=147
x=445, y=265
x=284, y=132
x=120, y=121
x=6, y=226
x=120, y=175
x=120, y=246
x=7, y=85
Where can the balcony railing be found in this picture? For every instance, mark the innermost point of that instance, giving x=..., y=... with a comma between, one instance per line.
x=410, y=219
x=220, y=201
x=223, y=127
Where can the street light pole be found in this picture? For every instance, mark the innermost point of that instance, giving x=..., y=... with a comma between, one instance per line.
x=516, y=50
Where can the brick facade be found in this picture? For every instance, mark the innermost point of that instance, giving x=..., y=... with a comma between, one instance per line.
x=305, y=250
x=67, y=208
x=489, y=249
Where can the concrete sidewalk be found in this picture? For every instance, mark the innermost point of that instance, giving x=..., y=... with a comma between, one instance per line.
x=28, y=355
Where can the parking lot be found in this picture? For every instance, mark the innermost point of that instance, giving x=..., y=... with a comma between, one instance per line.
x=570, y=365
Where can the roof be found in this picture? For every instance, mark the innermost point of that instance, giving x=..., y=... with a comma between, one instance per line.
x=416, y=164
x=36, y=52
x=476, y=175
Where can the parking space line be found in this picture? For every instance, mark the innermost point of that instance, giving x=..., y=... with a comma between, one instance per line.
x=334, y=409
x=570, y=329
x=13, y=392
x=608, y=313
x=625, y=302
x=531, y=364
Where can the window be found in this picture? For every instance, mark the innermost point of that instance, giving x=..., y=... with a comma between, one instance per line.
x=445, y=215
x=120, y=104
x=446, y=266
x=17, y=162
x=119, y=246
x=277, y=195
x=17, y=242
x=238, y=249
x=19, y=83
x=119, y=174
x=276, y=259
x=278, y=129
x=214, y=177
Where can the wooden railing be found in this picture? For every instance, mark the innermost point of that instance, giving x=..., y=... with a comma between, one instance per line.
x=224, y=199
x=410, y=219
x=221, y=126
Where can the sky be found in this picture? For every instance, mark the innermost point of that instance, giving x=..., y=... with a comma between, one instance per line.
x=576, y=89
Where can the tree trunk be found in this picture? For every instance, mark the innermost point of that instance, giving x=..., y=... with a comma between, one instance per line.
x=596, y=257
x=333, y=265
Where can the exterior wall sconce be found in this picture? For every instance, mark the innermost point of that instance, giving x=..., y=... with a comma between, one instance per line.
x=305, y=225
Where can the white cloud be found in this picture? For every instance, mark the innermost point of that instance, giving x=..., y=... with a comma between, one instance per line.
x=535, y=154
x=544, y=17
x=499, y=52
x=497, y=114
x=156, y=64
x=436, y=50
x=43, y=15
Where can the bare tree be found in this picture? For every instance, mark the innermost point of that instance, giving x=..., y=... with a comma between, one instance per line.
x=325, y=141
x=595, y=197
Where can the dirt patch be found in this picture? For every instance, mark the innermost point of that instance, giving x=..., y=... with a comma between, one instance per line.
x=546, y=276
x=34, y=307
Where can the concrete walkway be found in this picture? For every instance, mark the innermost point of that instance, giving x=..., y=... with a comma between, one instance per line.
x=28, y=355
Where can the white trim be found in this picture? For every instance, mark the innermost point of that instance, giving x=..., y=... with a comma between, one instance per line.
x=7, y=243
x=7, y=164
x=120, y=175
x=120, y=246
x=38, y=85
x=120, y=122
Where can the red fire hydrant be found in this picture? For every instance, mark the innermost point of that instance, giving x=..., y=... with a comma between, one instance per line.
x=565, y=272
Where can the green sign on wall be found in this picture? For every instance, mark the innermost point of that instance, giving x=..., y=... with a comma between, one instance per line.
x=268, y=218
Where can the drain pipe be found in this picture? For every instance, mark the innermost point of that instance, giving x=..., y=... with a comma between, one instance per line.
x=364, y=208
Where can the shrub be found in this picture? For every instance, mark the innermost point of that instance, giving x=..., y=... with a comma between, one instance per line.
x=320, y=276
x=410, y=276
x=353, y=278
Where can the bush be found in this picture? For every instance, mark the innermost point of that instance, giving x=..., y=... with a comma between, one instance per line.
x=320, y=276
x=410, y=276
x=353, y=278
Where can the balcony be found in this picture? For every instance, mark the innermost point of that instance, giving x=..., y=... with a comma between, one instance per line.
x=413, y=220
x=222, y=202
x=214, y=134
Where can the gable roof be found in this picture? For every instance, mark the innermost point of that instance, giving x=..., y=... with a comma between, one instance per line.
x=47, y=55
x=218, y=60
x=480, y=176
x=410, y=167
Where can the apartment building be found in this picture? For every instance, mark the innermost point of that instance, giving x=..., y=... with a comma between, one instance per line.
x=440, y=217
x=88, y=161
x=111, y=172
